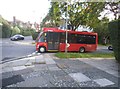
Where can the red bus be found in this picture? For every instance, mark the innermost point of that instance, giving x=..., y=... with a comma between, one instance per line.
x=53, y=39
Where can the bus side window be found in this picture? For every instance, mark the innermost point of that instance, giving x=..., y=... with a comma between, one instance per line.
x=86, y=39
x=72, y=38
x=62, y=38
x=80, y=39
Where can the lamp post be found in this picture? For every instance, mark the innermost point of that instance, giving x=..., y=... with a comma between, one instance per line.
x=66, y=41
x=1, y=30
x=0, y=45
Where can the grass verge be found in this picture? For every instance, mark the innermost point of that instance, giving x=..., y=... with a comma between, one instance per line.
x=84, y=55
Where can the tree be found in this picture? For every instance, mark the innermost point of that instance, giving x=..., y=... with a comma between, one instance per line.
x=55, y=13
x=102, y=29
x=6, y=28
x=113, y=7
x=15, y=30
x=85, y=13
x=6, y=31
x=52, y=19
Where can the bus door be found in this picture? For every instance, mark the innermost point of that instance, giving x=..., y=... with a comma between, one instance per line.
x=53, y=41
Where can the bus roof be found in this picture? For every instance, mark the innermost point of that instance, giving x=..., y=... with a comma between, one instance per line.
x=59, y=30
x=52, y=30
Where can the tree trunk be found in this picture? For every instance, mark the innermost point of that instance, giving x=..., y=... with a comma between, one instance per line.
x=72, y=28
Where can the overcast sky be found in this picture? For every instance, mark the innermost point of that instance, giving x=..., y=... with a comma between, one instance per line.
x=24, y=10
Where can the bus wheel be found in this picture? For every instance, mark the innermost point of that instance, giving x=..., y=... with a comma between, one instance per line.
x=42, y=49
x=82, y=50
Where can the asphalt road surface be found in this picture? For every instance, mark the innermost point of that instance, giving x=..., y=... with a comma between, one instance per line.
x=13, y=49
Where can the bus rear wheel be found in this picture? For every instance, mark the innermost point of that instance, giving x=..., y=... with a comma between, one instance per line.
x=42, y=49
x=82, y=50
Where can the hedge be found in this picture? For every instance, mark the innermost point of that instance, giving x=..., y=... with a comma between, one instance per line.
x=6, y=31
x=35, y=35
x=114, y=29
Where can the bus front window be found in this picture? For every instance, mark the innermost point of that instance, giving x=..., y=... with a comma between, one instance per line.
x=42, y=37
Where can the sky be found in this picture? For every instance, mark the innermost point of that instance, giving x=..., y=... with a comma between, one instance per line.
x=24, y=10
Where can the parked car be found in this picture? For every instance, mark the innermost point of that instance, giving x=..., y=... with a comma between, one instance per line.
x=110, y=48
x=17, y=37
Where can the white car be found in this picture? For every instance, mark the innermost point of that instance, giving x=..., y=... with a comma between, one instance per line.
x=17, y=37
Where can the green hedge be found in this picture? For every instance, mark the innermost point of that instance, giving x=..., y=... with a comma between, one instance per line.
x=114, y=28
x=27, y=32
x=35, y=35
x=6, y=31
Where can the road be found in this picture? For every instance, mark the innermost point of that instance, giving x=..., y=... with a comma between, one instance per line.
x=102, y=49
x=12, y=49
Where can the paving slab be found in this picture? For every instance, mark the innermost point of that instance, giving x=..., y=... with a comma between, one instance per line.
x=62, y=73
x=11, y=80
x=108, y=65
x=104, y=82
x=53, y=67
x=40, y=67
x=64, y=81
x=57, y=73
x=8, y=69
x=40, y=59
x=49, y=61
x=79, y=77
x=7, y=74
x=19, y=68
x=34, y=82
x=31, y=75
x=88, y=84
x=24, y=71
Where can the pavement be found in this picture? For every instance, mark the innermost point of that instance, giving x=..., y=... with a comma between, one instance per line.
x=46, y=70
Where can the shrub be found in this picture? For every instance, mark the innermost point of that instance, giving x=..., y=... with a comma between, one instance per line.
x=114, y=28
x=35, y=35
x=6, y=31
x=15, y=30
x=5, y=28
x=26, y=31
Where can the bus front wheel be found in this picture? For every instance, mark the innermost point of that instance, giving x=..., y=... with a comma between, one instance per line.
x=42, y=49
x=82, y=50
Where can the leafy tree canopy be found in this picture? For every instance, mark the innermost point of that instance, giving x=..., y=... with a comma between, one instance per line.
x=78, y=13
